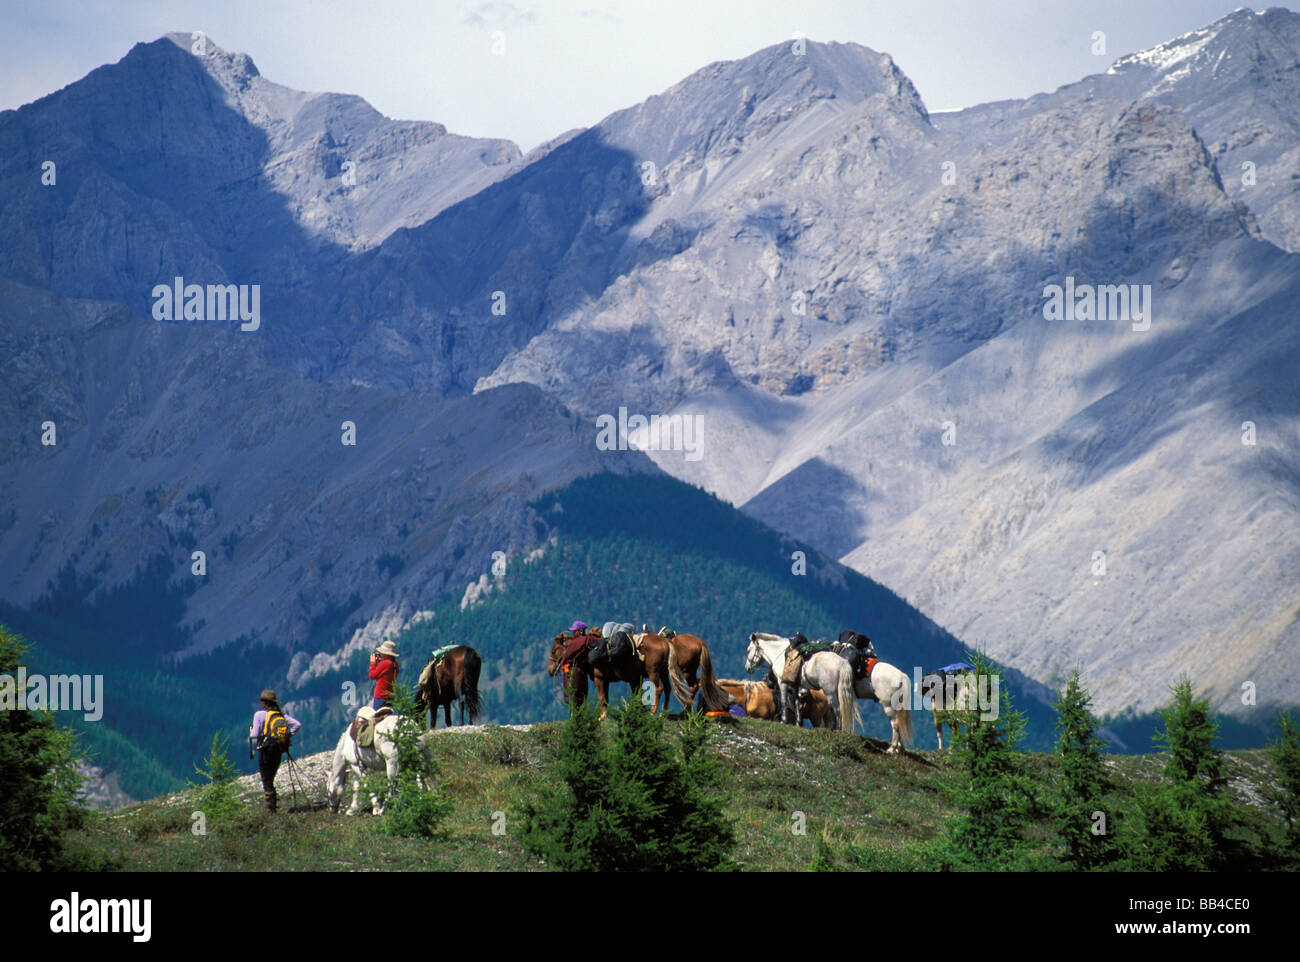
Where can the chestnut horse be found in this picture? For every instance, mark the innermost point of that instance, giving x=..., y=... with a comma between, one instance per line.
x=652, y=663
x=758, y=698
x=455, y=679
x=690, y=666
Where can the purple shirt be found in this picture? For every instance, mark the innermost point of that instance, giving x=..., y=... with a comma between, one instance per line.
x=255, y=729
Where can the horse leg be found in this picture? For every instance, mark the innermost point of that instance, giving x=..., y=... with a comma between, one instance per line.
x=390, y=768
x=602, y=695
x=656, y=678
x=337, y=781
x=358, y=773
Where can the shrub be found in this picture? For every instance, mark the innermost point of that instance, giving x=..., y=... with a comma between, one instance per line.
x=412, y=810
x=1083, y=782
x=995, y=795
x=631, y=802
x=220, y=801
x=39, y=782
x=1285, y=752
x=1187, y=823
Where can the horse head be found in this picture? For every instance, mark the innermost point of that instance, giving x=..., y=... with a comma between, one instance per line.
x=557, y=652
x=753, y=655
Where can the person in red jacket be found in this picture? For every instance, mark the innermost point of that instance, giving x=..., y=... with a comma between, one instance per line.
x=383, y=672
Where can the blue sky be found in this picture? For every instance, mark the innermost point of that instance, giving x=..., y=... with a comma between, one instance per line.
x=568, y=64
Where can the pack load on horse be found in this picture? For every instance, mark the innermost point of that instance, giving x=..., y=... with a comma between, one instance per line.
x=820, y=670
x=853, y=647
x=644, y=656
x=951, y=693
x=451, y=675
x=363, y=725
x=611, y=644
x=801, y=649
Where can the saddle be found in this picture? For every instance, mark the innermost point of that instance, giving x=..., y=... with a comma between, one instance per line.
x=794, y=660
x=862, y=664
x=607, y=651
x=799, y=653
x=435, y=659
x=362, y=729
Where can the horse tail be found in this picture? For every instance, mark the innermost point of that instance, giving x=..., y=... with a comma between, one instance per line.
x=675, y=677
x=848, y=701
x=469, y=700
x=715, y=699
x=905, y=715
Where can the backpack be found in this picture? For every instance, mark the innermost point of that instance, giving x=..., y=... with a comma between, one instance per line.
x=598, y=656
x=275, y=731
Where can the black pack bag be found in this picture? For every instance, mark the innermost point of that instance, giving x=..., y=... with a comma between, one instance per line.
x=619, y=647
x=598, y=654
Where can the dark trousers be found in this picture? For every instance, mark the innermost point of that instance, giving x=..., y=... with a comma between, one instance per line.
x=268, y=763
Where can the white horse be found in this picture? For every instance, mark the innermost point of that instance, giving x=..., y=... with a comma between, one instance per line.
x=889, y=686
x=350, y=757
x=824, y=671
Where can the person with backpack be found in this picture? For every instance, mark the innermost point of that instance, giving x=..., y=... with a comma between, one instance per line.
x=271, y=732
x=383, y=672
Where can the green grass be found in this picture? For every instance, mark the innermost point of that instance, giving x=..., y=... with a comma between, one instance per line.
x=865, y=810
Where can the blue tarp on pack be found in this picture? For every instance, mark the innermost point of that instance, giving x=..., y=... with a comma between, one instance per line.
x=955, y=667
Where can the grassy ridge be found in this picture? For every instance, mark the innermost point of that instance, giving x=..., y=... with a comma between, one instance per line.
x=871, y=811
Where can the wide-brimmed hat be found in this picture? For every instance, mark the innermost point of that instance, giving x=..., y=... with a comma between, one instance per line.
x=268, y=695
x=578, y=626
x=387, y=648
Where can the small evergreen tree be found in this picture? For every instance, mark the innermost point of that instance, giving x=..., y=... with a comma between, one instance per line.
x=219, y=800
x=1083, y=782
x=40, y=783
x=630, y=802
x=1185, y=823
x=1285, y=752
x=410, y=810
x=995, y=796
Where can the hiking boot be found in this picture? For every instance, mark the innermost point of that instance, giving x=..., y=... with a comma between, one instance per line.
x=270, y=801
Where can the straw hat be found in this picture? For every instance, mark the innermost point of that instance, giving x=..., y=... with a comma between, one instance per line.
x=387, y=648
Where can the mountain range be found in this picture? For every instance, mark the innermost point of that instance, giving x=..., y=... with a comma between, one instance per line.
x=848, y=295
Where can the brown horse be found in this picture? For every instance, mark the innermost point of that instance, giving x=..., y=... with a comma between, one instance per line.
x=645, y=661
x=691, y=668
x=759, y=701
x=454, y=679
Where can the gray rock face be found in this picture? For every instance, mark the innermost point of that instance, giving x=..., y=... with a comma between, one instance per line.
x=172, y=439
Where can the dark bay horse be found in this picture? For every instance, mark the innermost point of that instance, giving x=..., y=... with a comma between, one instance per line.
x=652, y=663
x=455, y=679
